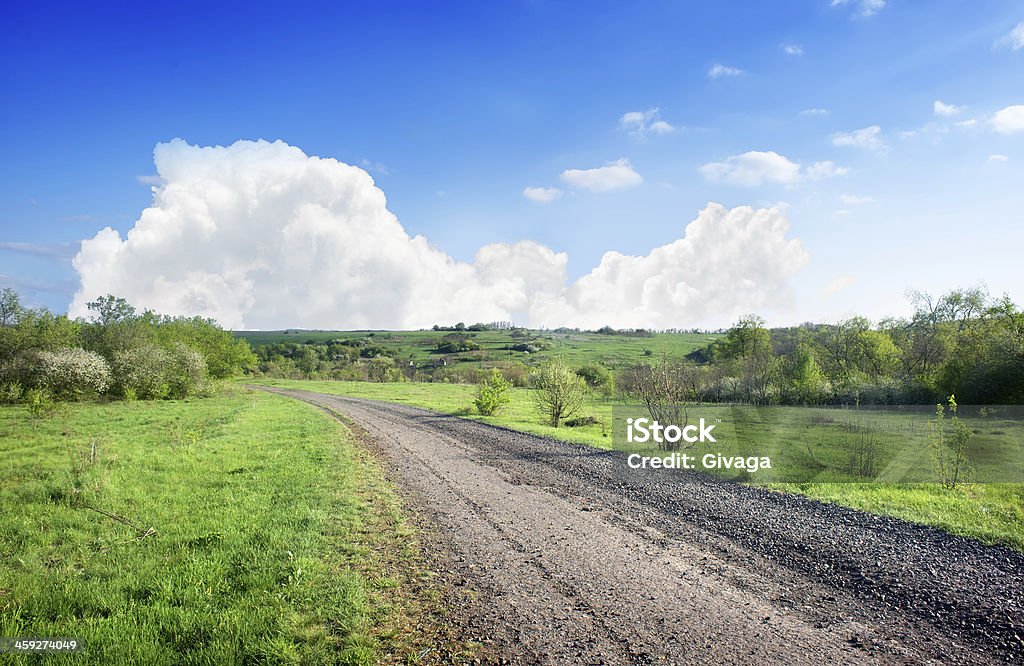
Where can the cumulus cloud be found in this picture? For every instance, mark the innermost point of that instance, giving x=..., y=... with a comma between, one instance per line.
x=756, y=167
x=814, y=112
x=718, y=70
x=997, y=157
x=1014, y=39
x=1009, y=120
x=792, y=49
x=615, y=175
x=943, y=109
x=640, y=123
x=260, y=235
x=869, y=138
x=542, y=194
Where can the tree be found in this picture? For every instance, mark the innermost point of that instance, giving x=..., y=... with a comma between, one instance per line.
x=559, y=392
x=948, y=444
x=10, y=307
x=111, y=309
x=665, y=390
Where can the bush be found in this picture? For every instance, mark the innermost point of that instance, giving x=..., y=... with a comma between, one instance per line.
x=10, y=392
x=493, y=394
x=598, y=378
x=186, y=372
x=142, y=370
x=154, y=373
x=581, y=421
x=73, y=374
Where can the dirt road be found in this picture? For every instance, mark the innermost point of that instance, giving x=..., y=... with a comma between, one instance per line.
x=566, y=560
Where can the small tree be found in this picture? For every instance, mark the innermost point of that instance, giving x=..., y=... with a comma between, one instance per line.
x=492, y=395
x=559, y=392
x=948, y=444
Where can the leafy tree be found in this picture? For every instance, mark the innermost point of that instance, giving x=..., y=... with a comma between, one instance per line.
x=559, y=393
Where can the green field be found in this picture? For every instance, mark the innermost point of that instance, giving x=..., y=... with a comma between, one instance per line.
x=614, y=351
x=246, y=528
x=810, y=444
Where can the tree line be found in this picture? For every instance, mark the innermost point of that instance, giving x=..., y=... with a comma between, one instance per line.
x=116, y=352
x=963, y=343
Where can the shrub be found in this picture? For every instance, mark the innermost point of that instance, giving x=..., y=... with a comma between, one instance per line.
x=598, y=378
x=186, y=372
x=493, y=394
x=142, y=370
x=10, y=392
x=559, y=392
x=73, y=373
x=581, y=421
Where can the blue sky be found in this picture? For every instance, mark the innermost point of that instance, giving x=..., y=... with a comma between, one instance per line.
x=455, y=108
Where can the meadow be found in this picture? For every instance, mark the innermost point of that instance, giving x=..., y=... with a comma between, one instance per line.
x=244, y=528
x=576, y=348
x=811, y=448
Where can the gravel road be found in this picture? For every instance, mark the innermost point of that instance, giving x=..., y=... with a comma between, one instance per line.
x=564, y=559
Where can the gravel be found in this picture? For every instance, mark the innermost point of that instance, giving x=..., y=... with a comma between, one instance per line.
x=563, y=557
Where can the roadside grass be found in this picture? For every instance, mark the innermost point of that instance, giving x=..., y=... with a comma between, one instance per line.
x=245, y=528
x=813, y=445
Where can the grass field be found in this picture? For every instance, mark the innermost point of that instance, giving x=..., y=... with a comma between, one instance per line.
x=614, y=351
x=246, y=528
x=811, y=444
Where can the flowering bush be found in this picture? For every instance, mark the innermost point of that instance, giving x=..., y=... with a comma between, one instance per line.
x=186, y=371
x=142, y=372
x=73, y=373
x=153, y=373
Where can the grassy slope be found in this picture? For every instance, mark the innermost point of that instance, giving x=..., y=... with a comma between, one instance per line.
x=272, y=534
x=615, y=351
x=991, y=512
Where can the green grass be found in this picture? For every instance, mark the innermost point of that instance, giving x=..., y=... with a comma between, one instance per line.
x=614, y=351
x=810, y=444
x=249, y=528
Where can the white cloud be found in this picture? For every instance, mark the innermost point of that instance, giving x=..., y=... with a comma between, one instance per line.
x=639, y=123
x=943, y=109
x=542, y=194
x=1013, y=39
x=854, y=200
x=825, y=169
x=869, y=138
x=1009, y=120
x=793, y=49
x=260, y=235
x=616, y=175
x=814, y=112
x=835, y=286
x=865, y=8
x=996, y=157
x=969, y=123
x=154, y=181
x=718, y=70
x=755, y=167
